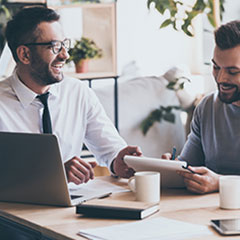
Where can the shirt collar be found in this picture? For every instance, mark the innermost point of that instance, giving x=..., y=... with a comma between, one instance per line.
x=53, y=90
x=25, y=95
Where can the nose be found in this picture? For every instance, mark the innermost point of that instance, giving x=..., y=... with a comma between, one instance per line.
x=64, y=53
x=221, y=76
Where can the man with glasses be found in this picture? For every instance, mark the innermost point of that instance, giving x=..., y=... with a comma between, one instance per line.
x=56, y=45
x=213, y=144
x=37, y=98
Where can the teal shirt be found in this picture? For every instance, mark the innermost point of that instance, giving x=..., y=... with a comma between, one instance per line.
x=214, y=140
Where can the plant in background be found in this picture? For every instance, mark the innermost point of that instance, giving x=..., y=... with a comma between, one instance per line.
x=4, y=17
x=4, y=9
x=177, y=83
x=182, y=12
x=164, y=113
x=84, y=49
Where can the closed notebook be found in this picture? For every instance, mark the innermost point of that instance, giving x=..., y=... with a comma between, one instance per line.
x=105, y=208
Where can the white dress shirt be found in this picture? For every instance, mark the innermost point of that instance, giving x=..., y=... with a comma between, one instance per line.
x=76, y=114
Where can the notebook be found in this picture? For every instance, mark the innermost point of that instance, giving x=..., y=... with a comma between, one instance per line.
x=32, y=171
x=167, y=168
x=117, y=209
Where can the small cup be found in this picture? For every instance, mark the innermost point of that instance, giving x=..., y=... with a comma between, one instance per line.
x=229, y=192
x=146, y=185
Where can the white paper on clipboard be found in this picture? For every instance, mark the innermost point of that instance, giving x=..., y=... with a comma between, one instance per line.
x=167, y=169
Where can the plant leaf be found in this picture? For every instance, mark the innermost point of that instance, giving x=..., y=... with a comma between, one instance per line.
x=149, y=3
x=181, y=85
x=169, y=117
x=199, y=6
x=222, y=9
x=171, y=85
x=154, y=116
x=166, y=23
x=185, y=29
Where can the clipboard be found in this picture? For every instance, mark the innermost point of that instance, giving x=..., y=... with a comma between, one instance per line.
x=167, y=168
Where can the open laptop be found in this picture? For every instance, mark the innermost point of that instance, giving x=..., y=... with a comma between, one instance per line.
x=32, y=171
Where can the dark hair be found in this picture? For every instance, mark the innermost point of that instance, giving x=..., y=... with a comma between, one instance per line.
x=228, y=35
x=22, y=28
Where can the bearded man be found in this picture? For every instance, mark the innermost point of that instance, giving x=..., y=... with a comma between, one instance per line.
x=212, y=147
x=38, y=98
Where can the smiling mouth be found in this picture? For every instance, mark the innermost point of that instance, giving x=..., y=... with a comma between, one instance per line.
x=227, y=88
x=57, y=67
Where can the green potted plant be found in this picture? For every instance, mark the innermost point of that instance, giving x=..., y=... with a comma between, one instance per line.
x=181, y=12
x=83, y=50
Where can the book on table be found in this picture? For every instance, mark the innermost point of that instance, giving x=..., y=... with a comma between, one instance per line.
x=120, y=209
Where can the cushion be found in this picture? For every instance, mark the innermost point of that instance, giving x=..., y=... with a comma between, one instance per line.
x=136, y=99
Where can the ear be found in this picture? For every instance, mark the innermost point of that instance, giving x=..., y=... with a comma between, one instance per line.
x=23, y=54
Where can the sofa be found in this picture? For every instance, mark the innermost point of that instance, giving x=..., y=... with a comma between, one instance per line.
x=139, y=96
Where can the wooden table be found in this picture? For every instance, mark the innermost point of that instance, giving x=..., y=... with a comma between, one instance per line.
x=47, y=222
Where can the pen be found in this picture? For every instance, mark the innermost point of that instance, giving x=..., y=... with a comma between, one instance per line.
x=187, y=168
x=105, y=195
x=173, y=153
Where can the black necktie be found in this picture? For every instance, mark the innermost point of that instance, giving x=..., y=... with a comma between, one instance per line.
x=46, y=119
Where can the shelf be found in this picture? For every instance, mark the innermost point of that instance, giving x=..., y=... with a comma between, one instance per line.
x=27, y=1
x=96, y=21
x=80, y=4
x=91, y=75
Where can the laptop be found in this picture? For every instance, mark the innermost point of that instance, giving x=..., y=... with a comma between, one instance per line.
x=32, y=171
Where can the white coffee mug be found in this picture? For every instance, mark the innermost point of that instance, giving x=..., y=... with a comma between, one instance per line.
x=229, y=192
x=146, y=186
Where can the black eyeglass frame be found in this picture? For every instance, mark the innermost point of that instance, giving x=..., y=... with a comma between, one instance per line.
x=53, y=44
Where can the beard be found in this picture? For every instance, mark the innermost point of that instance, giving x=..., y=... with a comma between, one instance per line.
x=41, y=72
x=228, y=97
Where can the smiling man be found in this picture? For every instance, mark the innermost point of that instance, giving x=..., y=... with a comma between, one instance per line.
x=37, y=98
x=214, y=141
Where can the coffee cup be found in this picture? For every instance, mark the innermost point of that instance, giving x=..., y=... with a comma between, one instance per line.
x=229, y=192
x=146, y=186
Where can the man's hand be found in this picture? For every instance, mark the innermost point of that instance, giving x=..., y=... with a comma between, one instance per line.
x=120, y=168
x=79, y=171
x=203, y=181
x=167, y=156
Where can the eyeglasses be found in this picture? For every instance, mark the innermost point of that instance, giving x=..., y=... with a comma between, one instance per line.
x=55, y=45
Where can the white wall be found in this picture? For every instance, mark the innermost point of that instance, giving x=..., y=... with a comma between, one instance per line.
x=154, y=50
x=232, y=10
x=139, y=39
